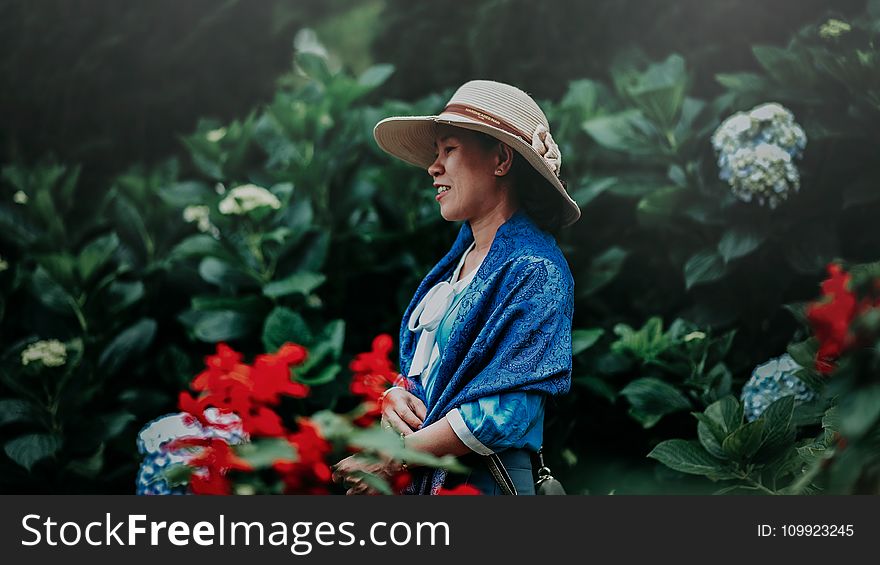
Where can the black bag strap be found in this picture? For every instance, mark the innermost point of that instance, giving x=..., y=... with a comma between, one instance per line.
x=500, y=474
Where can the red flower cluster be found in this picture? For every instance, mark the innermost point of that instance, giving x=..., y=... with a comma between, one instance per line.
x=247, y=390
x=832, y=317
x=374, y=373
x=250, y=391
x=310, y=473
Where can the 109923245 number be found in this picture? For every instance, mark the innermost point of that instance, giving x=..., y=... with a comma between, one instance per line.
x=824, y=530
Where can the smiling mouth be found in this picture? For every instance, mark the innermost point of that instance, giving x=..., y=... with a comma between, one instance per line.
x=442, y=188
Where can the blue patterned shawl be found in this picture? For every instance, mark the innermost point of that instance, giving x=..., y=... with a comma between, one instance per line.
x=512, y=331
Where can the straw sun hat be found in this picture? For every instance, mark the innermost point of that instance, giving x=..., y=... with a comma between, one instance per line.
x=497, y=109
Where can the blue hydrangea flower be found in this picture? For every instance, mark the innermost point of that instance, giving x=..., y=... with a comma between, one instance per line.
x=153, y=439
x=772, y=381
x=756, y=152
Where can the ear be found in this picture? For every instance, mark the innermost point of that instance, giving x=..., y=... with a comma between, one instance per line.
x=503, y=159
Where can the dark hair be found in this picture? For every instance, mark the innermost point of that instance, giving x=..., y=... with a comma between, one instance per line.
x=532, y=191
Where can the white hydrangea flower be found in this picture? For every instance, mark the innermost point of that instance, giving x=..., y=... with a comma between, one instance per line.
x=756, y=150
x=834, y=28
x=216, y=135
x=243, y=199
x=764, y=173
x=20, y=197
x=202, y=216
x=51, y=353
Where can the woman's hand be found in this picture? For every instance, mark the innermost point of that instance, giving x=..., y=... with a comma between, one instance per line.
x=402, y=411
x=346, y=472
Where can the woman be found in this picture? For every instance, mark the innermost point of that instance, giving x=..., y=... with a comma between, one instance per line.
x=487, y=336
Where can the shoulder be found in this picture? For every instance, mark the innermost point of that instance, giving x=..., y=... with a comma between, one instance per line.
x=542, y=260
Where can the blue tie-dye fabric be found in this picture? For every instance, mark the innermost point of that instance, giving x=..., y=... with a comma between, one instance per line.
x=512, y=331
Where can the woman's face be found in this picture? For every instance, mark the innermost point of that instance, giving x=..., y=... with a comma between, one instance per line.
x=468, y=168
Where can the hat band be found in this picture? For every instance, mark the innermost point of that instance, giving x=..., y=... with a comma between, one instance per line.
x=486, y=118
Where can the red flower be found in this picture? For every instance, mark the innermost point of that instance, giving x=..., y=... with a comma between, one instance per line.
x=460, y=490
x=271, y=379
x=831, y=318
x=214, y=461
x=310, y=473
x=232, y=386
x=374, y=373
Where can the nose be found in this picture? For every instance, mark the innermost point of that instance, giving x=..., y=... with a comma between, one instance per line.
x=435, y=169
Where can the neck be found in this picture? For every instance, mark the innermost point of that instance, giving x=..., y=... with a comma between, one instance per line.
x=485, y=227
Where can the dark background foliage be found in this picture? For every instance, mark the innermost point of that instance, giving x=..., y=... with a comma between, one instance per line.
x=119, y=87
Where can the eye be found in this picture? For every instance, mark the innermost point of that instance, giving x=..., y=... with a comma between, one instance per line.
x=449, y=150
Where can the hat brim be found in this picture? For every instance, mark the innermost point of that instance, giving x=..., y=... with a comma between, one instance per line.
x=411, y=139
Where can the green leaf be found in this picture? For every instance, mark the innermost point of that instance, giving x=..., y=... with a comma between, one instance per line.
x=30, y=449
x=622, y=132
x=221, y=273
x=804, y=352
x=189, y=193
x=130, y=224
x=201, y=245
x=581, y=340
x=660, y=206
x=96, y=254
x=324, y=376
x=710, y=435
x=589, y=189
x=646, y=343
x=603, y=269
x=115, y=423
x=739, y=241
x=376, y=483
x=126, y=346
x=120, y=295
x=660, y=90
x=49, y=293
x=689, y=457
x=744, y=442
x=388, y=442
x=859, y=411
x=375, y=76
x=89, y=467
x=741, y=82
x=223, y=325
x=727, y=413
x=297, y=283
x=651, y=399
x=597, y=386
x=702, y=268
x=262, y=453
x=779, y=430
x=13, y=410
x=313, y=65
x=782, y=64
x=283, y=325
x=244, y=304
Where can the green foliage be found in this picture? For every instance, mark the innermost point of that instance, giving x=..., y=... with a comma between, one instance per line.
x=767, y=455
x=288, y=223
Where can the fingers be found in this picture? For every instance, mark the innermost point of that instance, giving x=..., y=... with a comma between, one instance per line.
x=404, y=412
x=418, y=407
x=398, y=424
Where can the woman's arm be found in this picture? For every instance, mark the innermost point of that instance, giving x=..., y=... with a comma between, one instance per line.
x=437, y=439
